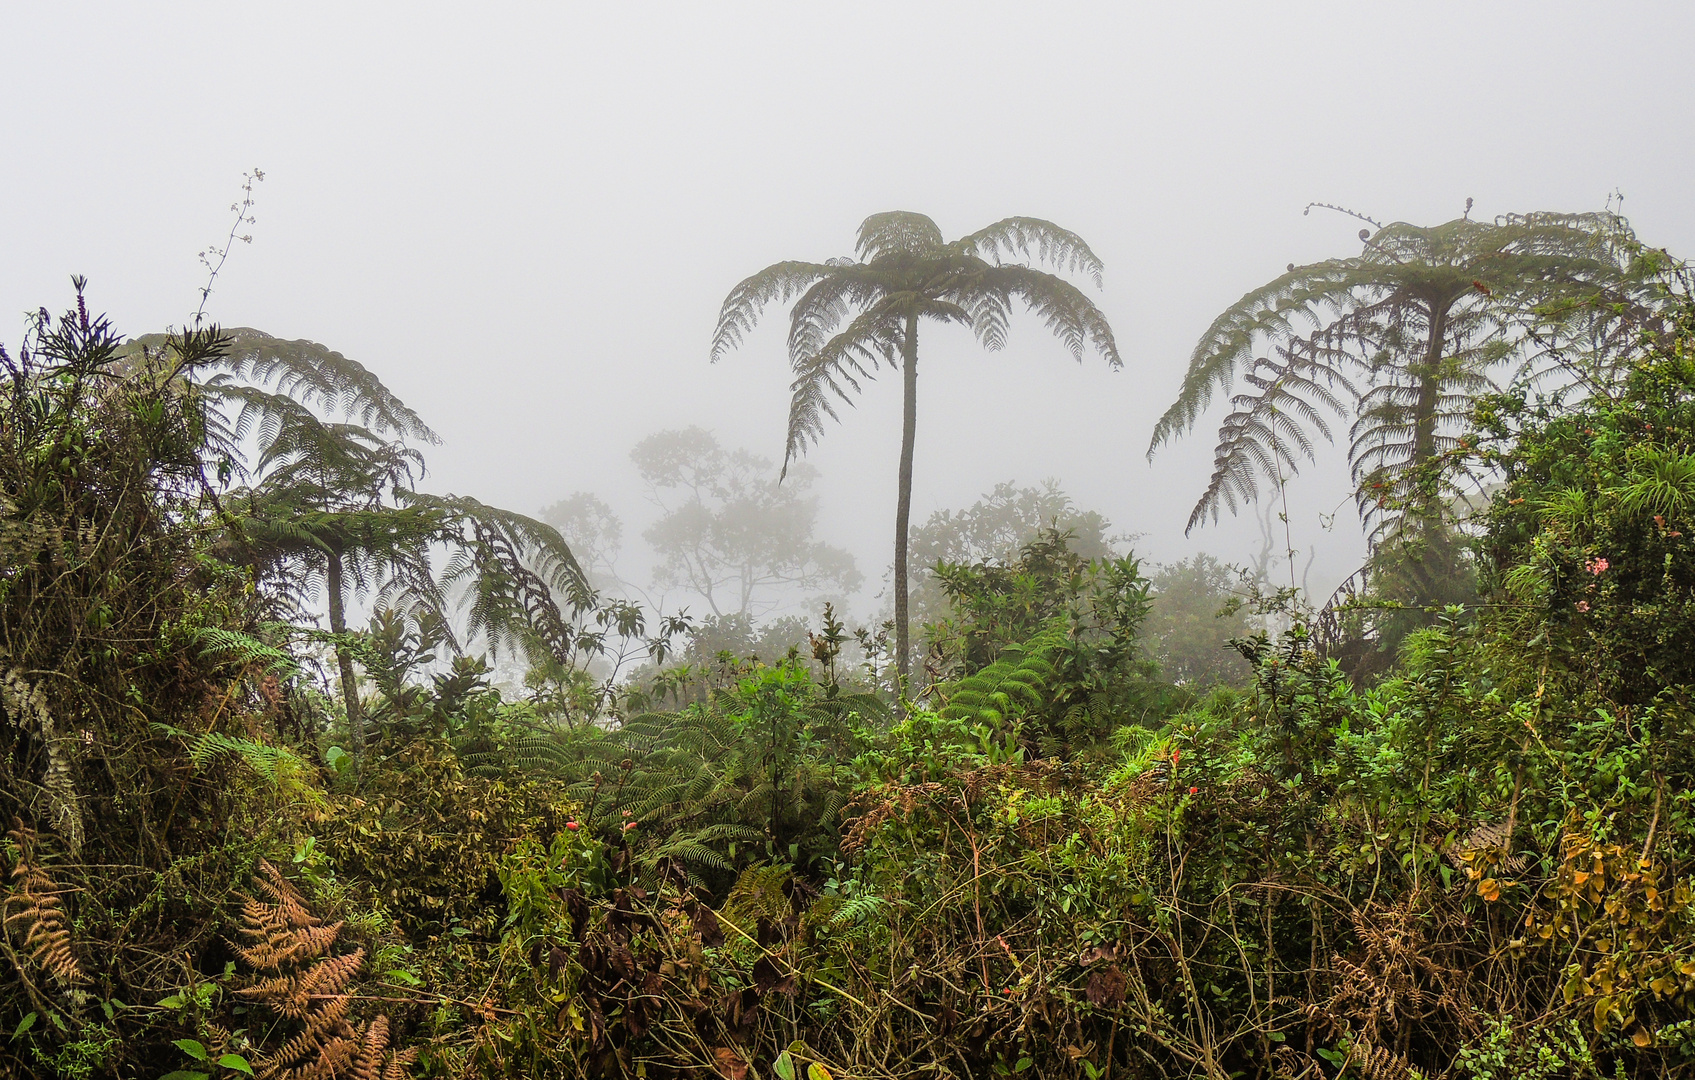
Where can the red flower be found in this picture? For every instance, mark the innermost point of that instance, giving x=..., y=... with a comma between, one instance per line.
x=572, y=825
x=1194, y=791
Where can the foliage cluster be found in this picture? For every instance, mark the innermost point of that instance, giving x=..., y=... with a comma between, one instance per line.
x=1051, y=862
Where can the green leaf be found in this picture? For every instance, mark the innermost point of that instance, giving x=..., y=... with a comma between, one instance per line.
x=816, y=1071
x=785, y=1066
x=1023, y=1063
x=402, y=975
x=173, y=1002
x=191, y=1047
x=24, y=1025
x=182, y=1074
x=236, y=1062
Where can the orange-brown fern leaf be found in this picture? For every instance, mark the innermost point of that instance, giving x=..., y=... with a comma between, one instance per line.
x=275, y=942
x=399, y=1064
x=1380, y=1063
x=315, y=941
x=332, y=974
x=282, y=994
x=34, y=912
x=306, y=1049
x=327, y=1060
x=368, y=1065
x=288, y=900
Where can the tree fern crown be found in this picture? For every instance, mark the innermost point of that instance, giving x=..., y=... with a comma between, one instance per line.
x=1406, y=335
x=849, y=316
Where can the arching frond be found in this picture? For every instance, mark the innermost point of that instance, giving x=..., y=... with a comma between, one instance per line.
x=512, y=569
x=1068, y=314
x=1059, y=248
x=779, y=282
x=1285, y=308
x=315, y=377
x=1265, y=435
x=897, y=232
x=835, y=371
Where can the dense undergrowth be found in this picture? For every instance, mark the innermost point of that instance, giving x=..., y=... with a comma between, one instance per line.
x=1052, y=862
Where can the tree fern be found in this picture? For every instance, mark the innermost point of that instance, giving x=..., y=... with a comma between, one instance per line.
x=907, y=272
x=1411, y=330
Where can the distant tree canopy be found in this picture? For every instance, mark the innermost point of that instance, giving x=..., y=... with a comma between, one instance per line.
x=905, y=272
x=594, y=532
x=730, y=530
x=996, y=528
x=1192, y=621
x=998, y=525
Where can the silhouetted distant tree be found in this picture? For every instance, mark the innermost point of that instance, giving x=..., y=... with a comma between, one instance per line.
x=730, y=531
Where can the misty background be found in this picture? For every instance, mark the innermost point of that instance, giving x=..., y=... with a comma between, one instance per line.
x=524, y=217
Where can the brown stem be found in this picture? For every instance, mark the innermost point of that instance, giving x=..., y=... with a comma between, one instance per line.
x=903, y=504
x=344, y=659
x=1653, y=823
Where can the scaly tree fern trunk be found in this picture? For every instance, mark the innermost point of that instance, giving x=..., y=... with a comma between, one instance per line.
x=1429, y=376
x=903, y=504
x=344, y=659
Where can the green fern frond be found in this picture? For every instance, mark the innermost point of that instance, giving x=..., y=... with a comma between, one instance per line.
x=244, y=650
x=1016, y=681
x=274, y=763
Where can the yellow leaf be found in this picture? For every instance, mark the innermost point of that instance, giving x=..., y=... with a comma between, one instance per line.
x=1603, y=1006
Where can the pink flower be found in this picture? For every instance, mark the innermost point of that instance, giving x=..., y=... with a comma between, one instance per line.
x=1583, y=605
x=628, y=825
x=572, y=825
x=1597, y=566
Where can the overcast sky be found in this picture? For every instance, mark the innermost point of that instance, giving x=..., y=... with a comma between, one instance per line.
x=524, y=216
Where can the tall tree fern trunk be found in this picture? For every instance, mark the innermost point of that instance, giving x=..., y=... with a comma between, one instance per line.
x=903, y=505
x=1422, y=504
x=344, y=659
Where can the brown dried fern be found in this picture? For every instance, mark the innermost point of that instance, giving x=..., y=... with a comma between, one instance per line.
x=35, y=915
x=297, y=978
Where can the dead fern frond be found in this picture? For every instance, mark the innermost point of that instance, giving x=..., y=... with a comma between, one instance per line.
x=287, y=900
x=300, y=981
x=368, y=1065
x=36, y=916
x=399, y=1062
x=1380, y=1063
